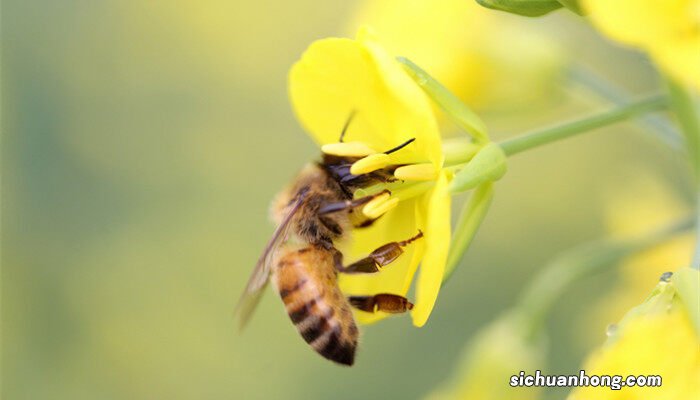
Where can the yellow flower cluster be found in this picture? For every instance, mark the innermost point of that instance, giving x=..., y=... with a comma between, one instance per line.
x=642, y=206
x=490, y=60
x=668, y=30
x=659, y=337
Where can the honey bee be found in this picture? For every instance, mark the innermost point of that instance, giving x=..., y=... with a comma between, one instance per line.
x=301, y=259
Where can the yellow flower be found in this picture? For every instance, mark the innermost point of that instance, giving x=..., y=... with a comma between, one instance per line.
x=637, y=276
x=496, y=353
x=337, y=78
x=659, y=337
x=668, y=30
x=643, y=207
x=487, y=59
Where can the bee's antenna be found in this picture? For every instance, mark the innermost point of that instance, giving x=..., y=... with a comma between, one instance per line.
x=347, y=124
x=401, y=146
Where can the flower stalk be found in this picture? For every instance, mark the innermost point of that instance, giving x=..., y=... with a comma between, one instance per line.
x=695, y=263
x=544, y=136
x=681, y=102
x=687, y=114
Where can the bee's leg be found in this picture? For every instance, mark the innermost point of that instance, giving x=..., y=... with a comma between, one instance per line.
x=390, y=303
x=348, y=204
x=380, y=257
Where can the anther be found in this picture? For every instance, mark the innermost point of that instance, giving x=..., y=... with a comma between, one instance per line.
x=379, y=206
x=416, y=172
x=370, y=163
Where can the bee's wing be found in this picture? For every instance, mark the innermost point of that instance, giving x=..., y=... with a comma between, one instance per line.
x=260, y=277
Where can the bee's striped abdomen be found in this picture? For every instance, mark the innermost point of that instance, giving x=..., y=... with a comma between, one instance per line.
x=307, y=285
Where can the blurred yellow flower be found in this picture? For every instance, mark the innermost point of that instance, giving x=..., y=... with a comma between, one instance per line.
x=487, y=59
x=658, y=337
x=667, y=30
x=637, y=275
x=496, y=353
x=644, y=206
x=337, y=78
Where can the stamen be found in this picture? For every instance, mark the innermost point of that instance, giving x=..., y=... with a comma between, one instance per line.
x=416, y=172
x=411, y=190
x=379, y=206
x=347, y=124
x=349, y=149
x=401, y=146
x=370, y=163
x=376, y=201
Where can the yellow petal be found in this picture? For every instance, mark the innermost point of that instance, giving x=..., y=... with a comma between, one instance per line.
x=467, y=47
x=663, y=345
x=681, y=59
x=637, y=22
x=338, y=77
x=657, y=337
x=667, y=30
x=437, y=246
x=349, y=149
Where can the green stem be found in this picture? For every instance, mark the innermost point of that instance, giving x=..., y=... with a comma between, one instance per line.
x=695, y=263
x=548, y=135
x=687, y=114
x=658, y=126
x=551, y=283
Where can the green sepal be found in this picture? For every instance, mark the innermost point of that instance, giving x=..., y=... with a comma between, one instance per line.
x=473, y=213
x=459, y=150
x=572, y=5
x=527, y=8
x=460, y=114
x=488, y=165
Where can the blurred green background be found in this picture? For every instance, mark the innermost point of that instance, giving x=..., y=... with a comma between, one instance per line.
x=142, y=142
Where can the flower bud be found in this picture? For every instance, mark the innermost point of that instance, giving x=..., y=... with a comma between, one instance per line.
x=488, y=165
x=657, y=338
